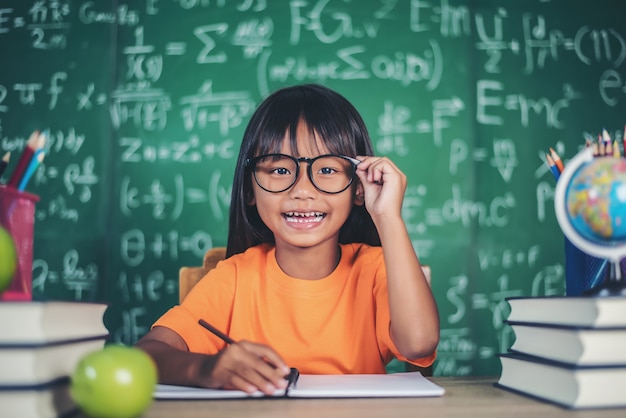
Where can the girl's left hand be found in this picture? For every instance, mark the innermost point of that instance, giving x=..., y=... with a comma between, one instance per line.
x=383, y=185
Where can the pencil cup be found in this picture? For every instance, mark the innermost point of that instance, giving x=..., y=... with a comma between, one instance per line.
x=17, y=216
x=582, y=271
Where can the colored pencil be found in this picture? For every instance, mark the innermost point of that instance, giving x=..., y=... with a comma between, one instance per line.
x=30, y=170
x=624, y=140
x=5, y=162
x=22, y=164
x=553, y=167
x=557, y=160
x=616, y=152
x=605, y=136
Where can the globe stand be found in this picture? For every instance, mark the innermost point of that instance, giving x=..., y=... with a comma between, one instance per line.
x=613, y=284
x=612, y=251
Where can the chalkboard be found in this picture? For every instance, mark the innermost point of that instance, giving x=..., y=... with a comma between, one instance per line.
x=146, y=102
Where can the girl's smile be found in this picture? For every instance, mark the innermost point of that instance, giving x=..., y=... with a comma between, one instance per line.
x=304, y=217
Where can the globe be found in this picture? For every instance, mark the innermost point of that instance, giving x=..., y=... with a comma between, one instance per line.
x=590, y=205
x=596, y=200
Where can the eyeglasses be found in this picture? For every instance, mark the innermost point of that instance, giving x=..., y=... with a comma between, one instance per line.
x=329, y=173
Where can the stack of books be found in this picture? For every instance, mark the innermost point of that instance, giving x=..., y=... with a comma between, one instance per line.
x=568, y=350
x=41, y=344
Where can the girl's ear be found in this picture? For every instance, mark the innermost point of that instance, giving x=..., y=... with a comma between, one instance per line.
x=359, y=198
x=250, y=199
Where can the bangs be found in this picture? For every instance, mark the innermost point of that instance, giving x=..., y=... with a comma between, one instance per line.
x=329, y=122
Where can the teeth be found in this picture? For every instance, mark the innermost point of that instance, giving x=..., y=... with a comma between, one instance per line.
x=305, y=215
x=300, y=217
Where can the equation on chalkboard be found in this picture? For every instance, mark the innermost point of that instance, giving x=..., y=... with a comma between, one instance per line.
x=146, y=102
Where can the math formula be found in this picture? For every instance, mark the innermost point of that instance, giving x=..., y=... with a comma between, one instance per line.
x=146, y=103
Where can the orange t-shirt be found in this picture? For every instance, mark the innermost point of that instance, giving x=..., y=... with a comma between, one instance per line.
x=335, y=325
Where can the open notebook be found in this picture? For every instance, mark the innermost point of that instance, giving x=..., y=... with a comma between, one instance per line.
x=410, y=384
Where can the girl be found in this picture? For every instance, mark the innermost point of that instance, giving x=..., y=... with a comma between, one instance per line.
x=320, y=272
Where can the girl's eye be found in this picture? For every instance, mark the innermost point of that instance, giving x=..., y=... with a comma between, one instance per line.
x=281, y=171
x=327, y=170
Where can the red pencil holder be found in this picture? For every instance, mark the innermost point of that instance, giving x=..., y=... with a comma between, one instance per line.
x=17, y=216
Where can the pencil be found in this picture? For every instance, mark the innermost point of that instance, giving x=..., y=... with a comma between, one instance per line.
x=4, y=162
x=35, y=161
x=616, y=152
x=624, y=140
x=600, y=146
x=553, y=167
x=293, y=375
x=216, y=331
x=22, y=163
x=605, y=136
x=30, y=170
x=557, y=160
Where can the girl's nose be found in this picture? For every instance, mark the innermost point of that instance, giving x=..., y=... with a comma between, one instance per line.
x=303, y=187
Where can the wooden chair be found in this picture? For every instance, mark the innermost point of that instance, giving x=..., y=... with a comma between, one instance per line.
x=189, y=276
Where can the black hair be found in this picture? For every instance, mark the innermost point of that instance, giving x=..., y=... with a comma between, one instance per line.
x=335, y=121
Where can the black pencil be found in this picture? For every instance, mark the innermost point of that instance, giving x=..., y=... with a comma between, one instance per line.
x=292, y=377
x=216, y=331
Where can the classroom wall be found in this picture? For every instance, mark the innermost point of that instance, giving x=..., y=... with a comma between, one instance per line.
x=146, y=102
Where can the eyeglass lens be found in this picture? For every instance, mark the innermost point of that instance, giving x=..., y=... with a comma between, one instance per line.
x=277, y=173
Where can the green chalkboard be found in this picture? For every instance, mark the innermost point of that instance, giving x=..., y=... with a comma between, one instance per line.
x=147, y=101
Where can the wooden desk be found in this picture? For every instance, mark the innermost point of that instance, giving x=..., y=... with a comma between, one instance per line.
x=465, y=397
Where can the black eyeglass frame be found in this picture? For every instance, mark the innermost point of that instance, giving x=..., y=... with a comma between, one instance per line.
x=251, y=163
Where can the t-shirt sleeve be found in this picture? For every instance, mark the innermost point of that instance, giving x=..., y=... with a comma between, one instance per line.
x=383, y=321
x=210, y=299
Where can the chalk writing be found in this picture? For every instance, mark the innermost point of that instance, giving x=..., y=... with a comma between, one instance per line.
x=146, y=104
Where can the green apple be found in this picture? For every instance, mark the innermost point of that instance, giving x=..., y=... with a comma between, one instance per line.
x=115, y=382
x=8, y=259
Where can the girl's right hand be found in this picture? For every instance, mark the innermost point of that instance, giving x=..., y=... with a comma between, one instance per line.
x=248, y=367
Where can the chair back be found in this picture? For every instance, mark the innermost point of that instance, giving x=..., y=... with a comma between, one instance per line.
x=189, y=276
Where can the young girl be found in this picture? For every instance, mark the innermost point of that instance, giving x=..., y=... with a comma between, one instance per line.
x=320, y=272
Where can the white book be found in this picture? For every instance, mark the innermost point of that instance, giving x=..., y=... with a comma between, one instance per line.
x=564, y=384
x=410, y=384
x=574, y=345
x=41, y=363
x=46, y=401
x=568, y=310
x=41, y=322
